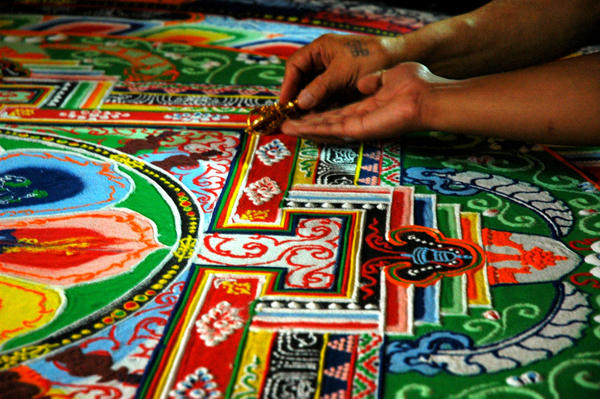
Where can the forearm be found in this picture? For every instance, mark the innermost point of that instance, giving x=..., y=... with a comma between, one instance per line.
x=502, y=35
x=558, y=102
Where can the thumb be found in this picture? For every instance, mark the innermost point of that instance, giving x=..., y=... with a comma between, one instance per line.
x=319, y=89
x=370, y=83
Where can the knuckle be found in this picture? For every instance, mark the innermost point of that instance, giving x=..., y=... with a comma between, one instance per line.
x=295, y=57
x=318, y=87
x=326, y=82
x=328, y=38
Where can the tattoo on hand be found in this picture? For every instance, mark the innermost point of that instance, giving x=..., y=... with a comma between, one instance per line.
x=356, y=47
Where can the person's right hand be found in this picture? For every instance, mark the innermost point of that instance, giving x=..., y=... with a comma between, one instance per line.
x=334, y=63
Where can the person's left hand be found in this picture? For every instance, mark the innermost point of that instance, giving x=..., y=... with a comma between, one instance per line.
x=393, y=105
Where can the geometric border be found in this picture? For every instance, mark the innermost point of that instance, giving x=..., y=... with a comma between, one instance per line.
x=41, y=93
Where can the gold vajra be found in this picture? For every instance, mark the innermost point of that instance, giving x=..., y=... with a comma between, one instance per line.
x=267, y=119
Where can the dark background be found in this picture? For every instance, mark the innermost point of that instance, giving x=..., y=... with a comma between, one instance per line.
x=444, y=7
x=57, y=6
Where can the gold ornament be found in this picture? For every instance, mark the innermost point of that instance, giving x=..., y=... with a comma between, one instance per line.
x=267, y=119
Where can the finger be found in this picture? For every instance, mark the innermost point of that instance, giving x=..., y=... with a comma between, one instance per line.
x=316, y=116
x=305, y=61
x=291, y=83
x=379, y=123
x=320, y=88
x=326, y=139
x=305, y=123
x=317, y=125
x=361, y=106
x=369, y=84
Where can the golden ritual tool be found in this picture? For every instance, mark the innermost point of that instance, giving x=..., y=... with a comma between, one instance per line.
x=267, y=119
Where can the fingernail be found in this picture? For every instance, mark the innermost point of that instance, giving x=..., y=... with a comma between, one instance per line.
x=305, y=100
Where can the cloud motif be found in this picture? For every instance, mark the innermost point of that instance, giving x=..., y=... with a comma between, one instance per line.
x=404, y=356
x=448, y=181
x=456, y=354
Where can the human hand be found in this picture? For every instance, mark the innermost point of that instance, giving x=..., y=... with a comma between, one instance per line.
x=393, y=105
x=334, y=63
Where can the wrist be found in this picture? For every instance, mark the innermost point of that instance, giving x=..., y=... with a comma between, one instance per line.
x=405, y=48
x=435, y=103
